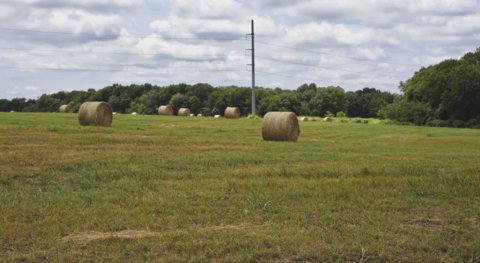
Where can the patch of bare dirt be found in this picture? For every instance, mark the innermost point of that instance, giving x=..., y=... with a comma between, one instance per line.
x=87, y=237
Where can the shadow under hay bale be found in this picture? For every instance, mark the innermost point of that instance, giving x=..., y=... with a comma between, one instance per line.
x=165, y=110
x=96, y=113
x=280, y=126
x=232, y=113
x=184, y=112
x=65, y=109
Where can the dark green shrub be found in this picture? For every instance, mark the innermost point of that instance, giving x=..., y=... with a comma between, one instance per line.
x=458, y=124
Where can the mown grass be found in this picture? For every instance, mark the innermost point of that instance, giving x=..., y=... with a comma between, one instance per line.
x=205, y=189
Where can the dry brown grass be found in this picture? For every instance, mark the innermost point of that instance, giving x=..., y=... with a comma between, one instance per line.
x=87, y=237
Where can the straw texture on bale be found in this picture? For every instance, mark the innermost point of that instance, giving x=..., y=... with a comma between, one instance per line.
x=232, y=113
x=165, y=110
x=96, y=113
x=183, y=112
x=65, y=108
x=280, y=126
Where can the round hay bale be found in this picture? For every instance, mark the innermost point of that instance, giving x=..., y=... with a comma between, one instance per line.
x=327, y=119
x=304, y=118
x=199, y=115
x=280, y=126
x=192, y=115
x=216, y=116
x=165, y=110
x=232, y=113
x=134, y=113
x=65, y=108
x=183, y=112
x=96, y=113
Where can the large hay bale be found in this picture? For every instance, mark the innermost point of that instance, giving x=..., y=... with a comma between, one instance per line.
x=65, y=108
x=183, y=112
x=96, y=113
x=280, y=126
x=232, y=113
x=165, y=110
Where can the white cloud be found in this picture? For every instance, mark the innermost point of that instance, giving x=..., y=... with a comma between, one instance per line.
x=348, y=43
x=326, y=34
x=208, y=9
x=89, y=4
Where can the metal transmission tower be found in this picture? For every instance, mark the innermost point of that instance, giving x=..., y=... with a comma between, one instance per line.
x=253, y=68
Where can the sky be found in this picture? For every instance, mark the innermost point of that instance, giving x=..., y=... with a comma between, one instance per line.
x=62, y=45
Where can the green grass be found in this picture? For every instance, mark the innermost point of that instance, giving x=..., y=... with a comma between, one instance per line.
x=153, y=188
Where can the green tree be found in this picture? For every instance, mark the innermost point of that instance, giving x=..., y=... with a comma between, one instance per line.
x=178, y=101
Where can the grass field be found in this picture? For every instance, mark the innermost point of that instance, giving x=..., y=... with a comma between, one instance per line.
x=154, y=188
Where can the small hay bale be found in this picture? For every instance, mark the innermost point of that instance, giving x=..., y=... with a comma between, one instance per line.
x=165, y=110
x=65, y=109
x=183, y=112
x=304, y=118
x=232, y=113
x=192, y=115
x=216, y=116
x=134, y=113
x=114, y=113
x=327, y=119
x=199, y=115
x=96, y=113
x=280, y=126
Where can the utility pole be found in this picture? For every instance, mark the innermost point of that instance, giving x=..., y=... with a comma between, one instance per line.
x=253, y=68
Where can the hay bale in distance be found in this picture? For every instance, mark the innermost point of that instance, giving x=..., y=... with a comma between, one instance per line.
x=327, y=119
x=304, y=118
x=184, y=112
x=280, y=126
x=232, y=113
x=192, y=115
x=165, y=110
x=199, y=115
x=216, y=116
x=96, y=113
x=65, y=108
x=134, y=113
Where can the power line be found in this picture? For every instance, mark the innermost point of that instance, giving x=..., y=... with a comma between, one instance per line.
x=311, y=65
x=302, y=79
x=239, y=38
x=335, y=55
x=194, y=69
x=177, y=56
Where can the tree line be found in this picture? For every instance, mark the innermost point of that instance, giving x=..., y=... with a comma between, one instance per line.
x=308, y=99
x=445, y=94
